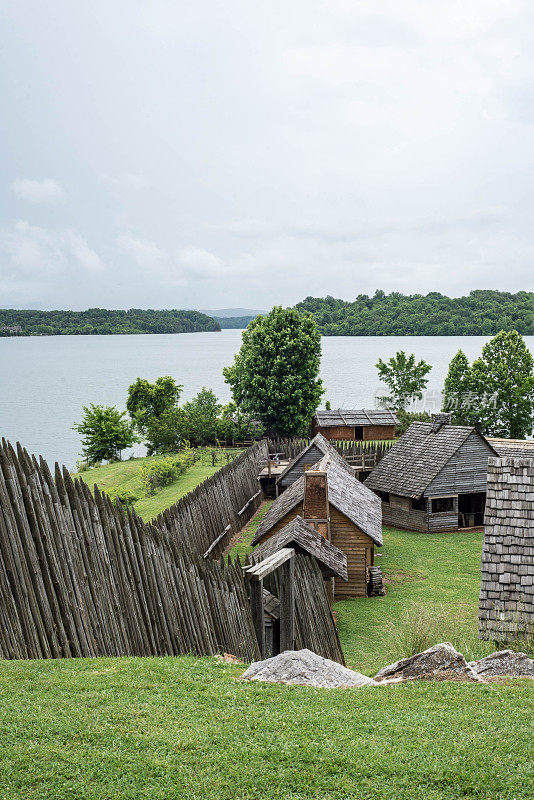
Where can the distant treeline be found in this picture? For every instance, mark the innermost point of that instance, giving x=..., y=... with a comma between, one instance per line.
x=233, y=322
x=101, y=321
x=483, y=312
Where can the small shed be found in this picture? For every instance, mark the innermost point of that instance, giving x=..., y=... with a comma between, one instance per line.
x=314, y=452
x=341, y=509
x=515, y=448
x=434, y=477
x=506, y=604
x=355, y=425
x=304, y=538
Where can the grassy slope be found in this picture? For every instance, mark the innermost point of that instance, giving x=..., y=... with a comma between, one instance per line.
x=164, y=728
x=124, y=475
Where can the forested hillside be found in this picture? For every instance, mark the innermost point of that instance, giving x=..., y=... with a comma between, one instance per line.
x=233, y=322
x=483, y=312
x=102, y=321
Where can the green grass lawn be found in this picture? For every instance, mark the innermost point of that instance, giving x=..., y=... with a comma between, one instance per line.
x=124, y=475
x=163, y=728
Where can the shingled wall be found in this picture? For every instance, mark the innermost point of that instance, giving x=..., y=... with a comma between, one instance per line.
x=506, y=606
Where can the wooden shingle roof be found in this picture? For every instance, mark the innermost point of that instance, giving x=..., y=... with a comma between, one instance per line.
x=360, y=416
x=417, y=457
x=326, y=448
x=513, y=448
x=345, y=493
x=305, y=538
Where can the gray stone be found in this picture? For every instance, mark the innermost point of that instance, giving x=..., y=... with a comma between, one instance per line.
x=305, y=668
x=504, y=663
x=439, y=663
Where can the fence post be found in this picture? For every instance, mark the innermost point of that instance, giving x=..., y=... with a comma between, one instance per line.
x=287, y=605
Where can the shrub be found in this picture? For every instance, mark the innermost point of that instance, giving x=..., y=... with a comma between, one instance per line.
x=165, y=471
x=124, y=497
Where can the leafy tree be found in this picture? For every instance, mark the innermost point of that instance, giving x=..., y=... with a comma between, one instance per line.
x=405, y=379
x=199, y=418
x=105, y=433
x=503, y=380
x=148, y=402
x=458, y=391
x=275, y=375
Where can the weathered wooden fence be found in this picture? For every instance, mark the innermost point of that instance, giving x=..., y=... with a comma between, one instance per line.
x=79, y=576
x=348, y=449
x=207, y=518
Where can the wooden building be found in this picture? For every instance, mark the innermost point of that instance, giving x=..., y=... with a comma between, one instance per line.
x=304, y=538
x=314, y=452
x=341, y=509
x=434, y=477
x=355, y=425
x=506, y=604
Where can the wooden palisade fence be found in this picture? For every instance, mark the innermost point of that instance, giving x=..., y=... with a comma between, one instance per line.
x=290, y=448
x=208, y=517
x=79, y=576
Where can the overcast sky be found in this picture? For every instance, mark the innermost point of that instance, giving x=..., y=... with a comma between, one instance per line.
x=207, y=153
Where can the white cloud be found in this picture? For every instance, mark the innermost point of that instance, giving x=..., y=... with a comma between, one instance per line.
x=45, y=191
x=142, y=251
x=125, y=180
x=200, y=263
x=37, y=252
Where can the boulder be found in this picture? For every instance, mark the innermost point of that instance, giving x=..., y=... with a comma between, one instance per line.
x=439, y=663
x=306, y=669
x=504, y=663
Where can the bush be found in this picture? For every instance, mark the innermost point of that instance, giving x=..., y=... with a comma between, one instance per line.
x=165, y=471
x=124, y=497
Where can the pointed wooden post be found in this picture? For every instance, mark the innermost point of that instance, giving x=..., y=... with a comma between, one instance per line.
x=287, y=605
x=256, y=607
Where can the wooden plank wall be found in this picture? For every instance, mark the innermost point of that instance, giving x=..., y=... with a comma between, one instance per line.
x=80, y=577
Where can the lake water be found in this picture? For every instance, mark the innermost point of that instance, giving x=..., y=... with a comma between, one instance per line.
x=46, y=380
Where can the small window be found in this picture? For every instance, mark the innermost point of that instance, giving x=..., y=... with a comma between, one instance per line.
x=419, y=504
x=442, y=504
x=384, y=496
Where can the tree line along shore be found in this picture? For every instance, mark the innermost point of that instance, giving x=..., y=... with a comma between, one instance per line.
x=483, y=312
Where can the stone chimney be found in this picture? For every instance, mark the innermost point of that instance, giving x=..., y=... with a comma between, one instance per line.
x=438, y=421
x=315, y=508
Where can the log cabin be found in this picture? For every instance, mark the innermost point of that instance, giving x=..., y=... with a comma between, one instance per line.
x=434, y=477
x=342, y=510
x=355, y=425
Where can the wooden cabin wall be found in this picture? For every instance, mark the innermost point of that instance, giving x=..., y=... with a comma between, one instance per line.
x=398, y=517
x=312, y=456
x=359, y=549
x=465, y=472
x=378, y=432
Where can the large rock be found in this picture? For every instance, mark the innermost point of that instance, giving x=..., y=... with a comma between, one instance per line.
x=305, y=668
x=504, y=663
x=439, y=663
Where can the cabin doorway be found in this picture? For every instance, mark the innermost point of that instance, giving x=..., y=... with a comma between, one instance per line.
x=358, y=433
x=471, y=509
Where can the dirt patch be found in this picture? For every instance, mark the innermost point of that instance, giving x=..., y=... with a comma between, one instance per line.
x=399, y=577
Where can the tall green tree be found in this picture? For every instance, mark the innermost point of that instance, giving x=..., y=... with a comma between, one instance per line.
x=458, y=391
x=405, y=378
x=105, y=433
x=275, y=374
x=148, y=402
x=503, y=381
